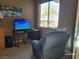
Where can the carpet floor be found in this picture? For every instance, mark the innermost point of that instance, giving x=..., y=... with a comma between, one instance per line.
x=23, y=52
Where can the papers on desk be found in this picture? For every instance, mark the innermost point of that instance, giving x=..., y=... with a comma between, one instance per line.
x=35, y=29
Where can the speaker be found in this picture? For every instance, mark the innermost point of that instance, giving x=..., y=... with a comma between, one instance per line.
x=8, y=42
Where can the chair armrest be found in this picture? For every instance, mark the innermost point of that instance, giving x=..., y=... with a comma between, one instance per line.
x=36, y=43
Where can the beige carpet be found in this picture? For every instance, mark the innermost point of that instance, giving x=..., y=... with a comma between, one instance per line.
x=23, y=52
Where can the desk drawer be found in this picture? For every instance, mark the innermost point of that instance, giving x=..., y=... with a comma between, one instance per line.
x=2, y=38
x=2, y=43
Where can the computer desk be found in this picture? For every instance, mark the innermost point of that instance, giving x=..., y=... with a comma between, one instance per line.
x=32, y=34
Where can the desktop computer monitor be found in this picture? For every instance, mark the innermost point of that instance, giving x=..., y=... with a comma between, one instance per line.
x=22, y=24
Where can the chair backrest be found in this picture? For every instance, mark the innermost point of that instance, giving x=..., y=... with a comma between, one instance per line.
x=54, y=44
x=46, y=30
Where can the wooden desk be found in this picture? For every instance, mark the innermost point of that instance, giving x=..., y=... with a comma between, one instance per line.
x=34, y=34
x=2, y=38
x=31, y=34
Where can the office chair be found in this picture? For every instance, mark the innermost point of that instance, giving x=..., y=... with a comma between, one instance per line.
x=51, y=45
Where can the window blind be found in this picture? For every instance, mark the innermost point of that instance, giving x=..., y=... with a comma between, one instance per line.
x=43, y=1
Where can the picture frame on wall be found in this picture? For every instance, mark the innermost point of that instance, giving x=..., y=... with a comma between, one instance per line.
x=10, y=11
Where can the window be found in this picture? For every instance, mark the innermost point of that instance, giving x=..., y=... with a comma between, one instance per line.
x=49, y=14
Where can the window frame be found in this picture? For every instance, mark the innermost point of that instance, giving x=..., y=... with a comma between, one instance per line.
x=39, y=12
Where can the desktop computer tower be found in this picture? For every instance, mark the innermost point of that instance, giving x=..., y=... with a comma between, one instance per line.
x=8, y=42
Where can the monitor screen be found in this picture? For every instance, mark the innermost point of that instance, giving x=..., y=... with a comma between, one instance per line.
x=21, y=24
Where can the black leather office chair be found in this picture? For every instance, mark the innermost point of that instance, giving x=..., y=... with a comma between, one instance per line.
x=51, y=46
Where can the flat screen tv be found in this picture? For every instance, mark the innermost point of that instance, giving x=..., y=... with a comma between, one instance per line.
x=22, y=24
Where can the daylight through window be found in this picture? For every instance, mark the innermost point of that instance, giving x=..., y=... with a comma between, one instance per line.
x=49, y=14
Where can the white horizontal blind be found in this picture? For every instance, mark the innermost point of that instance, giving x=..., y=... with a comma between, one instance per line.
x=43, y=1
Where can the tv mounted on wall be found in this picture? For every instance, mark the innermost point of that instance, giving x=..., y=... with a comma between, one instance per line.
x=22, y=24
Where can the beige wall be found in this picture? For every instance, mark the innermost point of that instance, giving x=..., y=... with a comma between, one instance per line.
x=77, y=21
x=27, y=8
x=26, y=5
x=67, y=16
x=76, y=41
